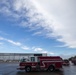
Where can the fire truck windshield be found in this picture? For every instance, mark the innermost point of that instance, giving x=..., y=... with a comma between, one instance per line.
x=24, y=60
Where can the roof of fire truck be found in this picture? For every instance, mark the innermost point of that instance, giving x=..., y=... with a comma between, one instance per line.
x=49, y=57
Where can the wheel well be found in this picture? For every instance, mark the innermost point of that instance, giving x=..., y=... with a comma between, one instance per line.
x=27, y=66
x=52, y=66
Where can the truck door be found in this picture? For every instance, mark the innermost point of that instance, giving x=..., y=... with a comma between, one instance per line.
x=38, y=66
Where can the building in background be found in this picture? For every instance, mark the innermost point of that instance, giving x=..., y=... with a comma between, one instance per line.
x=16, y=57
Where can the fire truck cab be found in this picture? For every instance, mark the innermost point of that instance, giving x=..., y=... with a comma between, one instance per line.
x=38, y=63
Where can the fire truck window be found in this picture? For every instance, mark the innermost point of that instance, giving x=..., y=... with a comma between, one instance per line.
x=33, y=59
x=23, y=60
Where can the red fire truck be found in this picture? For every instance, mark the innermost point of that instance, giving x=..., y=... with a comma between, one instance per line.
x=49, y=63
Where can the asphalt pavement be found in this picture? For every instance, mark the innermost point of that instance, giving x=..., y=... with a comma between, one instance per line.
x=11, y=69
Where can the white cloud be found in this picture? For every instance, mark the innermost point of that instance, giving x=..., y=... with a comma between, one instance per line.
x=14, y=43
x=41, y=50
x=1, y=43
x=11, y=41
x=1, y=38
x=51, y=53
x=37, y=33
x=48, y=52
x=61, y=45
x=18, y=44
x=38, y=49
x=62, y=14
x=55, y=18
x=44, y=51
x=67, y=56
x=25, y=47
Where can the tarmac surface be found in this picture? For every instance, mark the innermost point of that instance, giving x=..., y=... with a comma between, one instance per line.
x=11, y=69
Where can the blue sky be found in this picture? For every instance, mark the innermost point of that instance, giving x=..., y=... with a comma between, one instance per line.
x=40, y=26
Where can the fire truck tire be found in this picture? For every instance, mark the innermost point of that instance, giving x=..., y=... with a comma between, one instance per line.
x=51, y=68
x=28, y=69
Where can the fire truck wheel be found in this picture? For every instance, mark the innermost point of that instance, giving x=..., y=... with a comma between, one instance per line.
x=51, y=68
x=28, y=69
